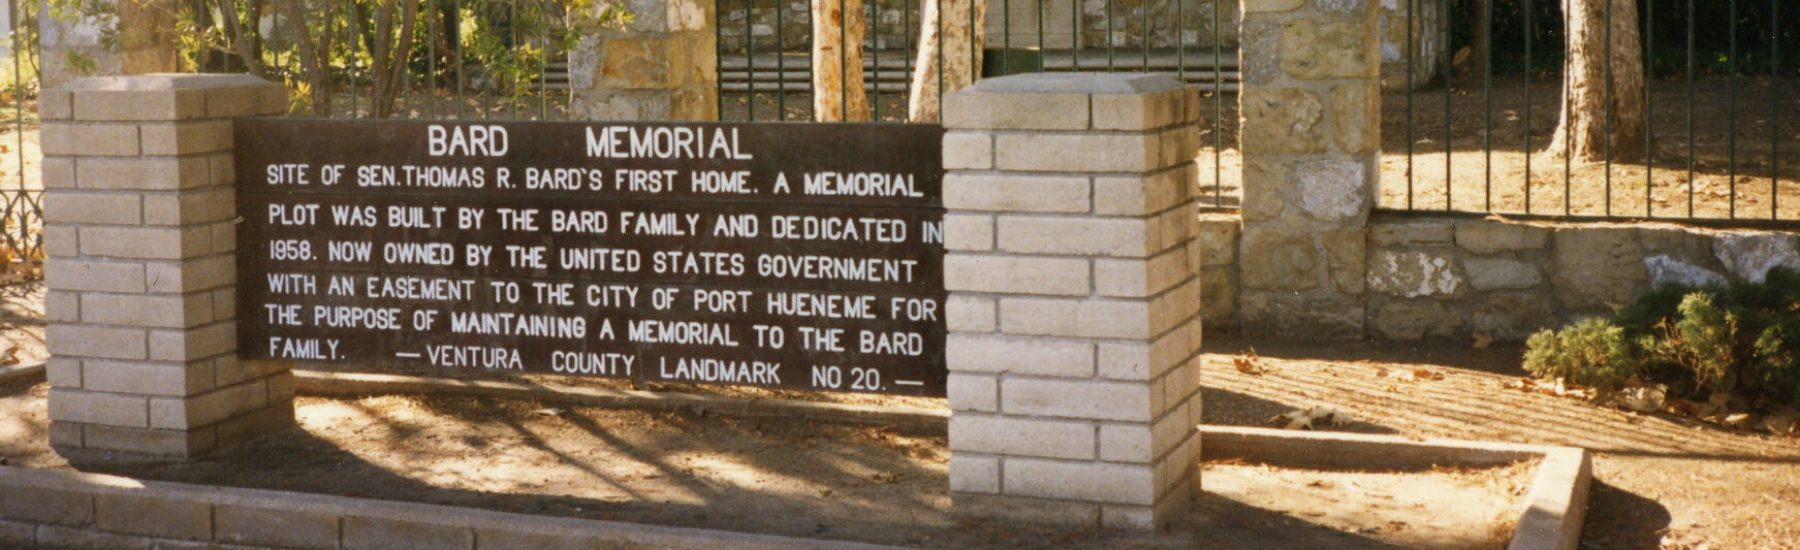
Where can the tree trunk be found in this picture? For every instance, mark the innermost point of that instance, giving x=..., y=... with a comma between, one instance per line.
x=1582, y=130
x=838, y=29
x=958, y=46
x=314, y=62
x=393, y=47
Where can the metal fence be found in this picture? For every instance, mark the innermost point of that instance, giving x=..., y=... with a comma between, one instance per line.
x=771, y=79
x=22, y=196
x=1713, y=111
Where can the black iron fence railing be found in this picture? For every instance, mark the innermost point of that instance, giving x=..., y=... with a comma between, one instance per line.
x=21, y=189
x=1637, y=109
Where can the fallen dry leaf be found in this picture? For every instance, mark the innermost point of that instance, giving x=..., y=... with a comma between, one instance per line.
x=1482, y=341
x=1741, y=421
x=1644, y=398
x=1303, y=419
x=1249, y=363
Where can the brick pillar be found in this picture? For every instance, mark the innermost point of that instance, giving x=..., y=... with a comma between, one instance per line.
x=1310, y=110
x=662, y=66
x=142, y=269
x=1074, y=298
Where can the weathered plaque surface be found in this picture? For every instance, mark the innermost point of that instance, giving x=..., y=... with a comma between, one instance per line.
x=791, y=255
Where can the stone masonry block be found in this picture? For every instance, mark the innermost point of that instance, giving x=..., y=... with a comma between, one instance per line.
x=101, y=276
x=964, y=313
x=148, y=243
x=1312, y=50
x=1127, y=360
x=1141, y=111
x=1016, y=436
x=187, y=208
x=978, y=110
x=246, y=99
x=179, y=444
x=968, y=151
x=1015, y=193
x=209, y=407
x=78, y=207
x=143, y=174
x=190, y=275
x=90, y=139
x=964, y=352
x=1282, y=121
x=1143, y=195
x=58, y=172
x=1125, y=443
x=193, y=343
x=86, y=407
x=56, y=104
x=122, y=105
x=1083, y=236
x=166, y=379
x=1016, y=274
x=186, y=138
x=283, y=527
x=152, y=516
x=1255, y=6
x=1075, y=317
x=95, y=341
x=1084, y=399
x=974, y=473
x=974, y=392
x=1078, y=152
x=968, y=232
x=1086, y=481
x=1134, y=278
x=377, y=533
x=46, y=505
x=63, y=372
x=140, y=310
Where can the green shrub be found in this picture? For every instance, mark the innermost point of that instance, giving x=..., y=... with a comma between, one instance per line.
x=1742, y=338
x=1592, y=352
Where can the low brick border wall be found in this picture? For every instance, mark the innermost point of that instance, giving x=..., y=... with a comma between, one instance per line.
x=1555, y=506
x=66, y=509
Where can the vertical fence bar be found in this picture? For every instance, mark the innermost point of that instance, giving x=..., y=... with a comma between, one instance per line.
x=512, y=29
x=1487, y=97
x=1412, y=48
x=1075, y=36
x=1111, y=56
x=1774, y=110
x=750, y=60
x=430, y=55
x=1568, y=130
x=1145, y=33
x=1005, y=37
x=352, y=15
x=719, y=9
x=1449, y=183
x=1733, y=78
x=1606, y=122
x=1649, y=112
x=1219, y=110
x=543, y=68
x=874, y=34
x=906, y=61
x=1040, y=25
x=974, y=68
x=780, y=64
x=939, y=50
x=461, y=81
x=1690, y=108
x=23, y=199
x=844, y=59
x=1528, y=65
x=1181, y=48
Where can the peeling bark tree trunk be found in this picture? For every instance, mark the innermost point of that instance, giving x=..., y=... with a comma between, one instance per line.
x=838, y=28
x=1581, y=131
x=390, y=53
x=959, y=48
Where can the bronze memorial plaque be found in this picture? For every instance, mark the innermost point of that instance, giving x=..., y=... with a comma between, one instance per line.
x=784, y=255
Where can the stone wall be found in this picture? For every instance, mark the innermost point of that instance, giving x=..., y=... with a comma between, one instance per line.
x=1433, y=276
x=662, y=66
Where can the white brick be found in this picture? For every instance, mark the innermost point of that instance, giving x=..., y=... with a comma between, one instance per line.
x=1135, y=278
x=61, y=240
x=70, y=405
x=973, y=392
x=1177, y=306
x=1140, y=111
x=1015, y=436
x=1015, y=193
x=1144, y=195
x=147, y=310
x=1016, y=274
x=193, y=274
x=90, y=139
x=1115, y=237
x=968, y=151
x=974, y=474
x=190, y=207
x=93, y=208
x=1076, y=152
x=63, y=372
x=964, y=352
x=968, y=232
x=208, y=408
x=102, y=342
x=149, y=243
x=1089, y=399
x=1075, y=317
x=134, y=105
x=170, y=379
x=1168, y=431
x=193, y=344
x=1146, y=361
x=1125, y=443
x=145, y=174
x=61, y=306
x=965, y=313
x=1086, y=481
x=65, y=274
x=185, y=138
x=1000, y=111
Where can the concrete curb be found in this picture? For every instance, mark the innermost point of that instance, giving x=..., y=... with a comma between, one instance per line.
x=22, y=371
x=321, y=383
x=57, y=509
x=1555, y=506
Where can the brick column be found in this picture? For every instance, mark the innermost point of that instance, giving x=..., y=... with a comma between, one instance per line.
x=663, y=65
x=142, y=269
x=1311, y=128
x=1074, y=298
